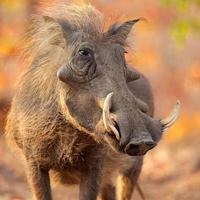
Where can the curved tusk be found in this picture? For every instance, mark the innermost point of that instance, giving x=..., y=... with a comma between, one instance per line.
x=106, y=110
x=168, y=121
x=115, y=131
x=108, y=122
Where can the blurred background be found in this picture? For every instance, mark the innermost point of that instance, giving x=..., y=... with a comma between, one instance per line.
x=166, y=48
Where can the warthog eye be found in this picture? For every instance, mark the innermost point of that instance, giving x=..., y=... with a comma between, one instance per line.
x=81, y=68
x=85, y=52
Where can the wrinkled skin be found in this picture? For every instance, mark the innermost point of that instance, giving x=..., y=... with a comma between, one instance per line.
x=57, y=117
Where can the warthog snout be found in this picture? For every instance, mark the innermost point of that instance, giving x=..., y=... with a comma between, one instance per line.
x=131, y=131
x=139, y=148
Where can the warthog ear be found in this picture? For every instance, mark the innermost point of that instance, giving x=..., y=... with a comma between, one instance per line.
x=63, y=24
x=119, y=32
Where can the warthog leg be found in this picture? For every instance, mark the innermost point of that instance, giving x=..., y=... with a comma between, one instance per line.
x=39, y=181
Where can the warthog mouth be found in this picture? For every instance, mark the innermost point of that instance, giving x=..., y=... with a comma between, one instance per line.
x=113, y=142
x=135, y=149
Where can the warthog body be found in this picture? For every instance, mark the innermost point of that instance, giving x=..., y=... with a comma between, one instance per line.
x=79, y=116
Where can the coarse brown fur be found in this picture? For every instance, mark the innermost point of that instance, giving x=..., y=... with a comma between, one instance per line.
x=53, y=140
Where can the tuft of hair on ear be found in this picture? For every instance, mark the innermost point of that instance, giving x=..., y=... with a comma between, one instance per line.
x=43, y=35
x=53, y=29
x=118, y=32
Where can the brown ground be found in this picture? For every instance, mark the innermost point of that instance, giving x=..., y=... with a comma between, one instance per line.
x=171, y=172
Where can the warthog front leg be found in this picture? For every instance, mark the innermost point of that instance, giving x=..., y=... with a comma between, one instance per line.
x=39, y=181
x=90, y=182
x=126, y=182
x=107, y=193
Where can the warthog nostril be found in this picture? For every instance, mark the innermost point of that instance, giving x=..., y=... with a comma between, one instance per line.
x=139, y=148
x=150, y=144
x=133, y=149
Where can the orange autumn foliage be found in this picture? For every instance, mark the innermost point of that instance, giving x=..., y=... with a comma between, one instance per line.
x=153, y=52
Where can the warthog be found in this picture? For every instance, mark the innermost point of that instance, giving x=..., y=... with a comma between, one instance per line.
x=80, y=114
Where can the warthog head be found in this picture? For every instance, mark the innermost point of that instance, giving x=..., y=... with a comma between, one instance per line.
x=93, y=83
